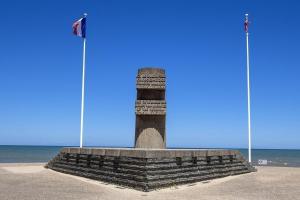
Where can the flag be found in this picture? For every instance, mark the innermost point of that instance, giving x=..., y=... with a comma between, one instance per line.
x=79, y=27
x=246, y=25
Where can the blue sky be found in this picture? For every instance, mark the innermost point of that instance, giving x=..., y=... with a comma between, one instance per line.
x=201, y=44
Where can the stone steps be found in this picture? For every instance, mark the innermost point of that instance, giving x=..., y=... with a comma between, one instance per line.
x=148, y=174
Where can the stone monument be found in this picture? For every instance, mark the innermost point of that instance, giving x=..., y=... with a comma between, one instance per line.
x=150, y=165
x=150, y=109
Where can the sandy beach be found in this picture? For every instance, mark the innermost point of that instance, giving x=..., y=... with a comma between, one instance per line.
x=33, y=181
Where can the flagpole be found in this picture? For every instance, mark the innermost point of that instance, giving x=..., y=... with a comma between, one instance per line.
x=248, y=93
x=82, y=91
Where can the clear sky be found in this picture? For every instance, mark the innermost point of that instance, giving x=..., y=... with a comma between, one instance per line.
x=201, y=44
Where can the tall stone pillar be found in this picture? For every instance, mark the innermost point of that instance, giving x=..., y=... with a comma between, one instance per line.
x=150, y=109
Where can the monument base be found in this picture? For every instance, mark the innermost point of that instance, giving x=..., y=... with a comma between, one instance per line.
x=149, y=169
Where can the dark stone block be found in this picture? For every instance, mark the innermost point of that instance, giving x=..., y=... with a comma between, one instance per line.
x=148, y=169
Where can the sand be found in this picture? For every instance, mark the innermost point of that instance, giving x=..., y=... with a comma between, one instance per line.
x=32, y=181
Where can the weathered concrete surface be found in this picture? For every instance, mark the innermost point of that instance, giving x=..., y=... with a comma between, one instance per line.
x=150, y=109
x=268, y=183
x=151, y=78
x=149, y=169
x=149, y=153
x=150, y=132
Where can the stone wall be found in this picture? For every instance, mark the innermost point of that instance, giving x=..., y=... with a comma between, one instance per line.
x=147, y=170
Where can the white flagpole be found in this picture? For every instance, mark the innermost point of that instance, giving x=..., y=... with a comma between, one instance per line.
x=248, y=90
x=82, y=91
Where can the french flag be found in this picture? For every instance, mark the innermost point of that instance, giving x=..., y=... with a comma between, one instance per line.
x=79, y=27
x=246, y=25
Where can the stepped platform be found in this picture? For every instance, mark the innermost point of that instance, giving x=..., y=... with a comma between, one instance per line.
x=149, y=169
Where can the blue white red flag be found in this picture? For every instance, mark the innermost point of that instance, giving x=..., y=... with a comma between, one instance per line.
x=246, y=25
x=79, y=27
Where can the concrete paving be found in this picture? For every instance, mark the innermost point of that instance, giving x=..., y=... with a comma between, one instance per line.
x=32, y=181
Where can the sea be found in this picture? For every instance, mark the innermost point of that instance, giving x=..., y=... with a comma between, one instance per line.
x=42, y=154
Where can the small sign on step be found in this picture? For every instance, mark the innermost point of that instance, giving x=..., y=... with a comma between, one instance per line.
x=262, y=162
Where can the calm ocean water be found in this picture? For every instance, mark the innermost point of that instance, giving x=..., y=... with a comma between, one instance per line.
x=28, y=154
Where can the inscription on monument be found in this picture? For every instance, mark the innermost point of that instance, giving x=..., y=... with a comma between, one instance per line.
x=150, y=109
